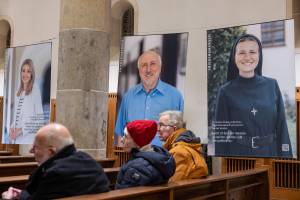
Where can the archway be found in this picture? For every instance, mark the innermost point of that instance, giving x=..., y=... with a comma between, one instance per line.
x=123, y=23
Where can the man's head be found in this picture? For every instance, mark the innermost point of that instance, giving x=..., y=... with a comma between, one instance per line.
x=149, y=65
x=139, y=133
x=49, y=140
x=169, y=121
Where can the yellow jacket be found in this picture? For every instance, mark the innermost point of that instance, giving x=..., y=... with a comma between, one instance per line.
x=186, y=149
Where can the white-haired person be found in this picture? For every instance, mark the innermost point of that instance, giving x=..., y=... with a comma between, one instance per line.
x=62, y=170
x=183, y=145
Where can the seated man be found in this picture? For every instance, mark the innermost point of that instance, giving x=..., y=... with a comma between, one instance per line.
x=183, y=145
x=62, y=170
x=149, y=165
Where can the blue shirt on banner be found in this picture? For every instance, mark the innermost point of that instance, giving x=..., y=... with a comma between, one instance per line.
x=138, y=104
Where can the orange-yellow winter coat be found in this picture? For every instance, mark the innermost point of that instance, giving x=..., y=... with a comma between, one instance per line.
x=186, y=149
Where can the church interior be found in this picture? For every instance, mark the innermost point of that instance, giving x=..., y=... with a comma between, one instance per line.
x=86, y=38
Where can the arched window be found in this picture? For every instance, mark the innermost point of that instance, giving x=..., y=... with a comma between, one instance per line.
x=122, y=24
x=8, y=38
x=128, y=22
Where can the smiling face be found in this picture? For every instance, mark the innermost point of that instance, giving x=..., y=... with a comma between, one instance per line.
x=247, y=57
x=149, y=69
x=26, y=74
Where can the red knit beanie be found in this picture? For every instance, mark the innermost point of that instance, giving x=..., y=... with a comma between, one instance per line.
x=142, y=131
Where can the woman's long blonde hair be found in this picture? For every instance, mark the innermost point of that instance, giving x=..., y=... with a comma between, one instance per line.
x=32, y=72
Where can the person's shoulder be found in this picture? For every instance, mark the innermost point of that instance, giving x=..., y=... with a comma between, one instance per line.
x=35, y=89
x=180, y=150
x=268, y=79
x=226, y=86
x=158, y=155
x=83, y=155
x=133, y=90
x=160, y=150
x=136, y=163
x=76, y=157
x=166, y=85
x=167, y=88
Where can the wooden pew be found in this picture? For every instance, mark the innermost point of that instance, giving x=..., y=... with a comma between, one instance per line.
x=21, y=180
x=14, y=169
x=107, y=162
x=25, y=168
x=246, y=185
x=14, y=181
x=5, y=153
x=16, y=159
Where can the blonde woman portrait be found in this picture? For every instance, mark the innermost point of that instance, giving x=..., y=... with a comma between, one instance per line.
x=28, y=110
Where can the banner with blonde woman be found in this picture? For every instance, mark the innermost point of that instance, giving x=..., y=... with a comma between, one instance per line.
x=26, y=101
x=251, y=90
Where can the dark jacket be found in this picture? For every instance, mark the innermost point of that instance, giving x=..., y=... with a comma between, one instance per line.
x=146, y=168
x=68, y=173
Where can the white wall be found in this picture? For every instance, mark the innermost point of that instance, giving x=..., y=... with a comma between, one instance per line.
x=34, y=21
x=280, y=68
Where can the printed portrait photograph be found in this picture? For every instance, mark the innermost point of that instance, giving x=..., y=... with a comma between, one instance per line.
x=151, y=77
x=251, y=90
x=27, y=92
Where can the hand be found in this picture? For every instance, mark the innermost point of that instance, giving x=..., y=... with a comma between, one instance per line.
x=11, y=194
x=11, y=134
x=14, y=133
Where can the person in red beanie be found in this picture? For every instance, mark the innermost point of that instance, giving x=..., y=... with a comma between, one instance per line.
x=149, y=164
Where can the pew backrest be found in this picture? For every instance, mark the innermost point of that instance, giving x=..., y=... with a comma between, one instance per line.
x=16, y=159
x=25, y=168
x=244, y=185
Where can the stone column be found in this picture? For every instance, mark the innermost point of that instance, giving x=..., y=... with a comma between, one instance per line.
x=83, y=65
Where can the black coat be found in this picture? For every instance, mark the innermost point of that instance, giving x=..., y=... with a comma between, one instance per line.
x=68, y=173
x=146, y=168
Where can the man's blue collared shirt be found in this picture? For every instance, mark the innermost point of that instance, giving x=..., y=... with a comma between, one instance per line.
x=138, y=104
